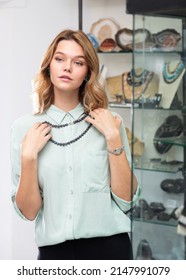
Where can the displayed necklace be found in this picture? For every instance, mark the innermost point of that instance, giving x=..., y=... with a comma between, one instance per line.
x=170, y=76
x=135, y=82
x=137, y=79
x=63, y=144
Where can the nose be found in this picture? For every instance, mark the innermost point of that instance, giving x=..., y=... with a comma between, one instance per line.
x=67, y=66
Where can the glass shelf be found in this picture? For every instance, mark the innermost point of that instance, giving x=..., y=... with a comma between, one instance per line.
x=114, y=52
x=122, y=105
x=141, y=52
x=136, y=106
x=171, y=222
x=156, y=51
x=176, y=141
x=156, y=165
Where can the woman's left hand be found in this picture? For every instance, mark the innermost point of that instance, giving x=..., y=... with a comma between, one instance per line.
x=105, y=122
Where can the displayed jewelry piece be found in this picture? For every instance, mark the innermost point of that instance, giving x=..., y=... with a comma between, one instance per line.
x=63, y=144
x=137, y=79
x=132, y=81
x=170, y=76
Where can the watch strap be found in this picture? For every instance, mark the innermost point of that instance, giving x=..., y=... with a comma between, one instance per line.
x=117, y=151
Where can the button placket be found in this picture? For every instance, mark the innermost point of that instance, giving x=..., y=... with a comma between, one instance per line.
x=70, y=175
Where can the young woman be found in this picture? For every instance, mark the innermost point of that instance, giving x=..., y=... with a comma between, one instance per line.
x=71, y=160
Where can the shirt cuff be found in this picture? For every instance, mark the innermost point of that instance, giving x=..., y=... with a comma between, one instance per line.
x=125, y=205
x=18, y=211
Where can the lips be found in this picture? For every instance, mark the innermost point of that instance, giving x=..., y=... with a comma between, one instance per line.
x=64, y=77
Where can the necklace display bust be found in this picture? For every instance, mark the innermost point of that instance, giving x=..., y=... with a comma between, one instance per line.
x=170, y=78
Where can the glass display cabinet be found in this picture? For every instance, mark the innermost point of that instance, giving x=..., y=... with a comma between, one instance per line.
x=158, y=82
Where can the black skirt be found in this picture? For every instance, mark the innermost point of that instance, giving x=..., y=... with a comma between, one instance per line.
x=115, y=247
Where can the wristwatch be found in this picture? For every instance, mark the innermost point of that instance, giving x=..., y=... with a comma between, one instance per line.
x=116, y=151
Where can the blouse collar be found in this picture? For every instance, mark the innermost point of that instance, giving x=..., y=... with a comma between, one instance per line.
x=58, y=115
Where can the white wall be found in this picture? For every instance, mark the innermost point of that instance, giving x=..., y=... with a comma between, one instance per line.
x=26, y=27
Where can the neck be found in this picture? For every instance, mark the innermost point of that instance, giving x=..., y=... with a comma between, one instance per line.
x=67, y=101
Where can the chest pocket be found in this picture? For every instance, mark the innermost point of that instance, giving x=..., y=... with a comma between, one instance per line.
x=95, y=173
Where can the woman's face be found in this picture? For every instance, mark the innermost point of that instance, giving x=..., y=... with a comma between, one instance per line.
x=68, y=67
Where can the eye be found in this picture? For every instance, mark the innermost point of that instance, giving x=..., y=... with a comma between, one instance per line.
x=79, y=63
x=59, y=59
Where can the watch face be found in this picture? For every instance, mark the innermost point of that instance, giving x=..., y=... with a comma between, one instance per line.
x=118, y=151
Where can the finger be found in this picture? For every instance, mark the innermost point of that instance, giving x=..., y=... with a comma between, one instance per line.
x=43, y=126
x=46, y=130
x=92, y=114
x=90, y=119
x=96, y=111
x=47, y=137
x=36, y=125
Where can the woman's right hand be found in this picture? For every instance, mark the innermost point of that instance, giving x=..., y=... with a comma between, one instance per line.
x=35, y=139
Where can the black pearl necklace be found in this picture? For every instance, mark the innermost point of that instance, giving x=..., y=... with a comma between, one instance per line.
x=63, y=144
x=66, y=124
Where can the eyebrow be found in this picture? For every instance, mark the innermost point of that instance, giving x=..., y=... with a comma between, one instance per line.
x=77, y=56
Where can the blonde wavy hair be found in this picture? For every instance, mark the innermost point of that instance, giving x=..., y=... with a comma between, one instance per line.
x=91, y=93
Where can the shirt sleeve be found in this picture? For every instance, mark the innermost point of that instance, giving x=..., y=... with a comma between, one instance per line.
x=15, y=168
x=123, y=204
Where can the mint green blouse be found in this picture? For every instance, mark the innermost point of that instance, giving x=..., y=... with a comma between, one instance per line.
x=74, y=181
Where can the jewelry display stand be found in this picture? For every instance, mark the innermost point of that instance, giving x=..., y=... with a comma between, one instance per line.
x=123, y=85
x=169, y=81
